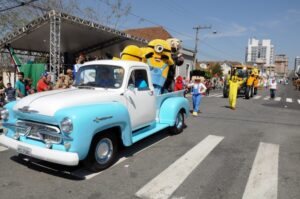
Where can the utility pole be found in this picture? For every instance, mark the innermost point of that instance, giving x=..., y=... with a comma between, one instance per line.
x=197, y=28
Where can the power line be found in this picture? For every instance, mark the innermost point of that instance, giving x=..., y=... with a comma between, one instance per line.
x=150, y=21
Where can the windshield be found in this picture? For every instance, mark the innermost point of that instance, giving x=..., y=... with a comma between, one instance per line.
x=241, y=73
x=102, y=76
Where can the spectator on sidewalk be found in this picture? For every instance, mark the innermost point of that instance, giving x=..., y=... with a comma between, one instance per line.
x=10, y=93
x=2, y=93
x=60, y=84
x=69, y=78
x=44, y=83
x=178, y=84
x=28, y=86
x=198, y=89
x=20, y=85
x=273, y=87
x=208, y=85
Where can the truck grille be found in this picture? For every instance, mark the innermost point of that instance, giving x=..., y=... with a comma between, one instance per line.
x=39, y=131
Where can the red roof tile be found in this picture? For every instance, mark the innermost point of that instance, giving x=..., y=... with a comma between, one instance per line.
x=150, y=33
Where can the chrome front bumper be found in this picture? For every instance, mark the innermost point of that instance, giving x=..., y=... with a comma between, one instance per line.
x=50, y=155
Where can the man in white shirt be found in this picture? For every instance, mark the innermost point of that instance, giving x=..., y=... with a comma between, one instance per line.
x=273, y=87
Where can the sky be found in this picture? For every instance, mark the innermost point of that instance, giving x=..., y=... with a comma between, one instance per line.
x=233, y=21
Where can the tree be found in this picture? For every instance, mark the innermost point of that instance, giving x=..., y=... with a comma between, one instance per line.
x=217, y=70
x=112, y=11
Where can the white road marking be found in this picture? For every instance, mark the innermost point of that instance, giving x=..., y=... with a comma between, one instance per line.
x=298, y=101
x=220, y=95
x=213, y=95
x=277, y=99
x=263, y=179
x=257, y=97
x=87, y=175
x=290, y=100
x=163, y=185
x=267, y=98
x=2, y=148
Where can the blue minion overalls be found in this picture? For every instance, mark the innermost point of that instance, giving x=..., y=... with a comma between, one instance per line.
x=157, y=79
x=196, y=98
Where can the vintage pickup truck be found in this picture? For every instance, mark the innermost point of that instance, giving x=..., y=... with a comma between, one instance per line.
x=111, y=103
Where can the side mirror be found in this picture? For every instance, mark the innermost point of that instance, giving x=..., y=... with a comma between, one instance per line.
x=131, y=87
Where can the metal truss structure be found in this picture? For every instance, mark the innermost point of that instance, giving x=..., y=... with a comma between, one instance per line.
x=56, y=21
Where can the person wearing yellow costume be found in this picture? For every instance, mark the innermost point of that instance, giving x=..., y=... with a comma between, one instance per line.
x=233, y=89
x=132, y=53
x=256, y=84
x=129, y=53
x=158, y=56
x=249, y=86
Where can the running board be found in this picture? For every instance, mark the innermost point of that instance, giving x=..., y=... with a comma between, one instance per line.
x=145, y=132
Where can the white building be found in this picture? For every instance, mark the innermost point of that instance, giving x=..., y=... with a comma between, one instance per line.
x=297, y=65
x=260, y=52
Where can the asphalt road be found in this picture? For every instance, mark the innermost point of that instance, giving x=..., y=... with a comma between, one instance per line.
x=251, y=152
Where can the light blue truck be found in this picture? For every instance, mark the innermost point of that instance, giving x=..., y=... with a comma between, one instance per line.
x=112, y=103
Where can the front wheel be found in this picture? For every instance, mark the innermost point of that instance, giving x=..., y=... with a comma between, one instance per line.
x=179, y=124
x=102, y=153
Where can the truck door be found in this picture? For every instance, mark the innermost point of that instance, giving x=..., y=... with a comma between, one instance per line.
x=141, y=101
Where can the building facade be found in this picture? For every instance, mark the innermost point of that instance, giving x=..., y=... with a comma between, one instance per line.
x=260, y=53
x=297, y=65
x=281, y=65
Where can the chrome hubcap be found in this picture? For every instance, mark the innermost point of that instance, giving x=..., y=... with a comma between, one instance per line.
x=104, y=150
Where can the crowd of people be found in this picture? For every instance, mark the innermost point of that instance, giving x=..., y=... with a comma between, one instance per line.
x=24, y=86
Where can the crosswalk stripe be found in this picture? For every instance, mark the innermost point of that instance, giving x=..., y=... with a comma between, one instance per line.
x=277, y=99
x=2, y=148
x=220, y=95
x=298, y=101
x=263, y=178
x=290, y=100
x=267, y=98
x=163, y=185
x=257, y=97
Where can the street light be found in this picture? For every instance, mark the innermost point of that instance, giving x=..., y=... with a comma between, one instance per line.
x=197, y=28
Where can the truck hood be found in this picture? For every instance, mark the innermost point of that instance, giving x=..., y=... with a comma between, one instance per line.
x=47, y=103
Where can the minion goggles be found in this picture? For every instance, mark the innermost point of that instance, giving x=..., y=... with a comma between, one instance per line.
x=159, y=48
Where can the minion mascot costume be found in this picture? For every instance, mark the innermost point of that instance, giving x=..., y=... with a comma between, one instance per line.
x=158, y=57
x=233, y=89
x=132, y=53
x=178, y=59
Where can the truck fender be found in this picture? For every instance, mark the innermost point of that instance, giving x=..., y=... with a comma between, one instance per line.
x=170, y=108
x=88, y=120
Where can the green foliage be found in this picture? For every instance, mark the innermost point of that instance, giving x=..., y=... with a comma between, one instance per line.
x=208, y=74
x=216, y=69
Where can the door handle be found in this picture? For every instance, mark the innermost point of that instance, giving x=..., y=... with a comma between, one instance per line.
x=151, y=92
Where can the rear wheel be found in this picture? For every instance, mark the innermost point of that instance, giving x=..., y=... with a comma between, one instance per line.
x=103, y=152
x=247, y=92
x=179, y=124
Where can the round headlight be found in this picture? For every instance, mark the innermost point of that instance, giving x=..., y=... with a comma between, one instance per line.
x=4, y=114
x=66, y=125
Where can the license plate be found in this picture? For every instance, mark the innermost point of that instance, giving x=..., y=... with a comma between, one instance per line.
x=24, y=150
